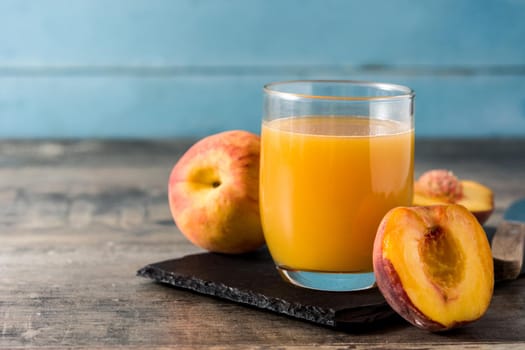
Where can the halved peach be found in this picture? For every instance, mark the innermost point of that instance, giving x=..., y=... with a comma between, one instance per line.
x=443, y=187
x=434, y=266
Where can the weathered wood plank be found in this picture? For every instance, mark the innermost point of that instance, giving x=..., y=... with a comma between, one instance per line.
x=79, y=289
x=78, y=221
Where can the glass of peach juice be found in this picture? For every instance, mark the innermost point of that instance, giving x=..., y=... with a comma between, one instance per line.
x=336, y=156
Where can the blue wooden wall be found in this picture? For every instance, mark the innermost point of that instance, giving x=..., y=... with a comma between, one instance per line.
x=169, y=68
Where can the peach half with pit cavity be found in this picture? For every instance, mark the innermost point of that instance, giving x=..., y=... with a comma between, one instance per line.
x=440, y=186
x=434, y=266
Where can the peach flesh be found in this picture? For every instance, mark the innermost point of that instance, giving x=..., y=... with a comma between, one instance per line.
x=434, y=266
x=443, y=187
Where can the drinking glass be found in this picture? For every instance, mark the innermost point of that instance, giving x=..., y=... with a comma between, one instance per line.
x=335, y=157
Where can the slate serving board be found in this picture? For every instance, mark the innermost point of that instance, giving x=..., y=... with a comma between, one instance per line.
x=252, y=280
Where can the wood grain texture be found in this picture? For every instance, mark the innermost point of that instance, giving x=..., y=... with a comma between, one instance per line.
x=77, y=219
x=508, y=245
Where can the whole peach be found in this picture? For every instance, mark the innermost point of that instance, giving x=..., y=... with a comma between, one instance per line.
x=214, y=193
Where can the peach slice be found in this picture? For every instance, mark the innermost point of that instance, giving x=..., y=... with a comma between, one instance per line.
x=443, y=187
x=434, y=265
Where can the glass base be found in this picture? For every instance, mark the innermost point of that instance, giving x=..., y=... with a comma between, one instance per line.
x=328, y=281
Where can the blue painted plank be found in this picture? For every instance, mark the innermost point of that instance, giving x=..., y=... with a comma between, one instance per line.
x=138, y=68
x=250, y=32
x=157, y=107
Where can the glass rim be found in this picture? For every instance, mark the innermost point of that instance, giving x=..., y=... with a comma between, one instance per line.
x=404, y=91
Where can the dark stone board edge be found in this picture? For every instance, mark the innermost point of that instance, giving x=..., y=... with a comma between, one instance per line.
x=310, y=313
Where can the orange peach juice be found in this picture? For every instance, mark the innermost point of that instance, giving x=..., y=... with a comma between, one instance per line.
x=326, y=183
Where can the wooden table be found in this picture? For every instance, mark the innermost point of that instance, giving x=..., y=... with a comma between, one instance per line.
x=79, y=218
